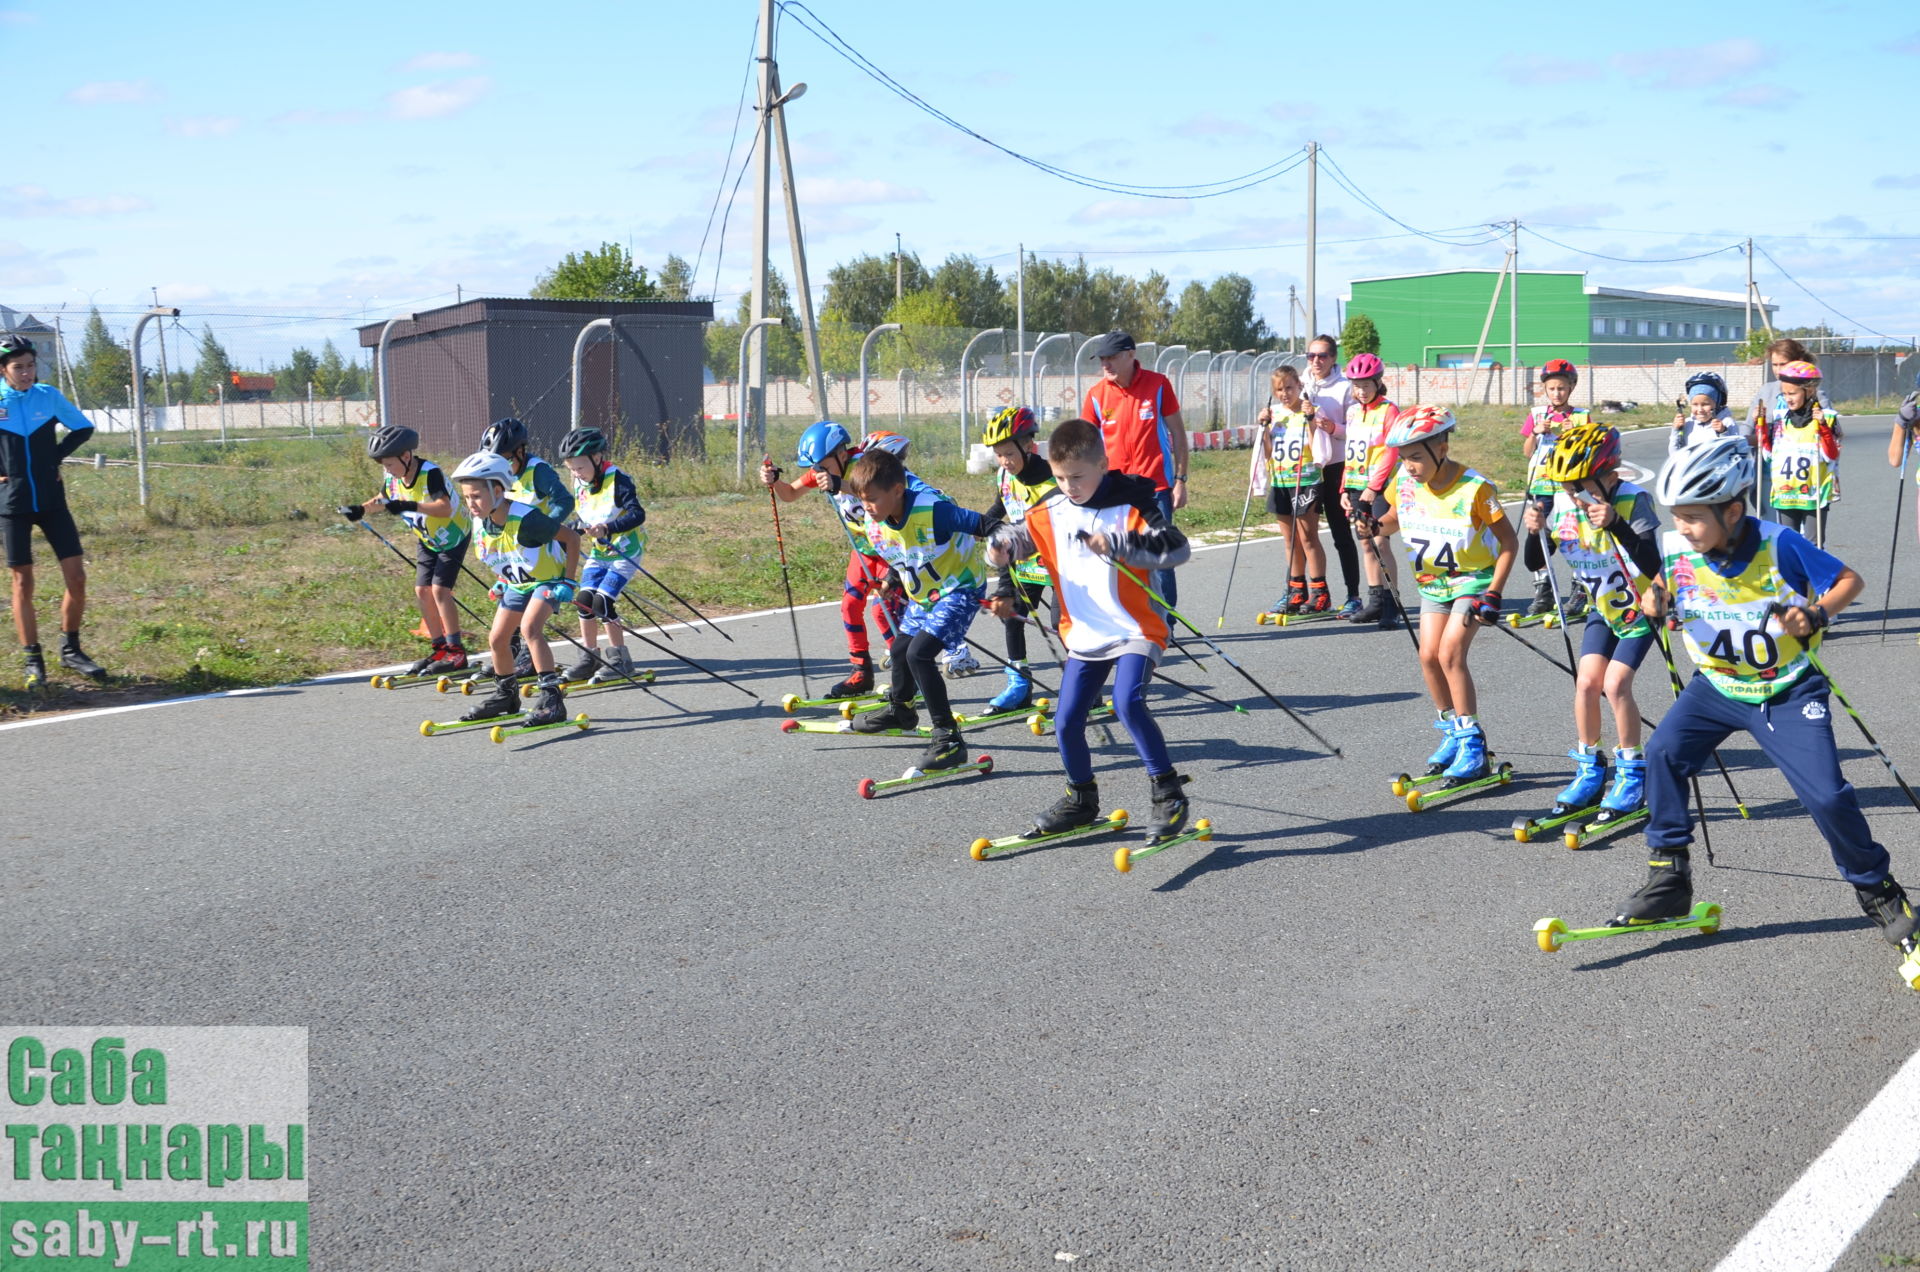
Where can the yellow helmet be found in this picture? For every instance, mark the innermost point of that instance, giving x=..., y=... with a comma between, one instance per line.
x=1582, y=451
x=1010, y=423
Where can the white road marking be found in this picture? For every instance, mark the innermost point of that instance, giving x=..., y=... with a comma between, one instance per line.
x=1815, y=1221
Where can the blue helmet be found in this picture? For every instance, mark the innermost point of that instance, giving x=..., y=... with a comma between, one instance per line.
x=820, y=441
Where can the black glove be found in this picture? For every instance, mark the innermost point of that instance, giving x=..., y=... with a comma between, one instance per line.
x=398, y=506
x=1486, y=607
x=352, y=512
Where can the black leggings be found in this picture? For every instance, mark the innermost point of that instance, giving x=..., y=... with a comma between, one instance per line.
x=1016, y=628
x=1797, y=519
x=1339, y=527
x=914, y=667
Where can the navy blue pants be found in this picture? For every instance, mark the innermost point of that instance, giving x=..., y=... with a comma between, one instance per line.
x=1795, y=730
x=1080, y=683
x=1163, y=580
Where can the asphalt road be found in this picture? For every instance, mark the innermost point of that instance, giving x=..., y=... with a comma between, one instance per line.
x=668, y=995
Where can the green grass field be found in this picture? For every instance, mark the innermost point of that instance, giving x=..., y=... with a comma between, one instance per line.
x=240, y=574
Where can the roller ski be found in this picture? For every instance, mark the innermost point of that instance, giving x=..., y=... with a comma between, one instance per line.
x=793, y=702
x=1042, y=719
x=640, y=675
x=502, y=706
x=1887, y=905
x=35, y=678
x=1018, y=694
x=1294, y=602
x=501, y=732
x=1437, y=763
x=1625, y=806
x=890, y=722
x=1169, y=826
x=868, y=788
x=1551, y=934
x=1124, y=857
x=853, y=708
x=858, y=684
x=1580, y=798
x=1076, y=813
x=1471, y=770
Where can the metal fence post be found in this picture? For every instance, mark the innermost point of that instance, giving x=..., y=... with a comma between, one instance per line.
x=1037, y=378
x=1079, y=398
x=579, y=351
x=140, y=395
x=223, y=412
x=866, y=346
x=740, y=421
x=966, y=385
x=1160, y=359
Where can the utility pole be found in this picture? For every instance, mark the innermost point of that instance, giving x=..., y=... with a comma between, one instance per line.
x=754, y=377
x=897, y=272
x=809, y=330
x=1748, y=329
x=1313, y=227
x=1020, y=318
x=166, y=390
x=1513, y=310
x=1293, y=306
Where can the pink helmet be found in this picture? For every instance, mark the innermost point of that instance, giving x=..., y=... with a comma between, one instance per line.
x=1800, y=372
x=1365, y=366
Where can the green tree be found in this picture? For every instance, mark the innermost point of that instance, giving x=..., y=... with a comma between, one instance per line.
x=1219, y=316
x=862, y=290
x=291, y=379
x=676, y=279
x=330, y=374
x=105, y=369
x=608, y=274
x=211, y=369
x=929, y=342
x=1359, y=335
x=977, y=297
x=785, y=354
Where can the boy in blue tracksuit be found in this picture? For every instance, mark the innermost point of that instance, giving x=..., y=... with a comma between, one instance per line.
x=32, y=494
x=1751, y=599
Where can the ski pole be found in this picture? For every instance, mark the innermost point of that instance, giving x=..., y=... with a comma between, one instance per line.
x=1699, y=800
x=1393, y=593
x=1777, y=608
x=1899, y=497
x=786, y=581
x=1197, y=692
x=1553, y=582
x=653, y=578
x=1225, y=657
x=699, y=667
x=362, y=523
x=1245, y=509
x=1538, y=652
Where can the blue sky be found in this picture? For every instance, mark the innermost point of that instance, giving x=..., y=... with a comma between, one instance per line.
x=371, y=160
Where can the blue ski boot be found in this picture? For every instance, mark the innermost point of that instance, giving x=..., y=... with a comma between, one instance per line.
x=1019, y=690
x=1437, y=762
x=1469, y=754
x=1628, y=794
x=1589, y=780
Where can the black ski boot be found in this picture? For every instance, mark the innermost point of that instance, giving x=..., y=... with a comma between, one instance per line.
x=1542, y=597
x=552, y=706
x=522, y=660
x=583, y=668
x=1169, y=807
x=945, y=749
x=419, y=667
x=503, y=701
x=860, y=682
x=1887, y=905
x=1667, y=894
x=1375, y=606
x=1080, y=806
x=895, y=715
x=36, y=668
x=1389, y=612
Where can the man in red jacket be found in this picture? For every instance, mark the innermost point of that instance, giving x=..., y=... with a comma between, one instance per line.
x=1139, y=418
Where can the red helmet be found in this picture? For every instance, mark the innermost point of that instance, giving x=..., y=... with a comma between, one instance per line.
x=1365, y=366
x=1559, y=367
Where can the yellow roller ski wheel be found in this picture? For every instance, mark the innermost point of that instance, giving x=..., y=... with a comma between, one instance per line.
x=1712, y=923
x=787, y=702
x=497, y=733
x=1413, y=802
x=1401, y=785
x=1123, y=859
x=1523, y=833
x=979, y=849
x=1547, y=934
x=426, y=728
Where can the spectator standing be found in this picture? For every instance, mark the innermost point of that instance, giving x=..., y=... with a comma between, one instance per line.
x=1139, y=419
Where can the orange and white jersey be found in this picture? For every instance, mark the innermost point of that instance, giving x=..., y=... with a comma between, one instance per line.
x=1104, y=613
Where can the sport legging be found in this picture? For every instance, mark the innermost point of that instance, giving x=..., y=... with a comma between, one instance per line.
x=914, y=668
x=1339, y=527
x=1080, y=683
x=863, y=576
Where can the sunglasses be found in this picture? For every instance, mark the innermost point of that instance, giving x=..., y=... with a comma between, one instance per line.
x=1319, y=355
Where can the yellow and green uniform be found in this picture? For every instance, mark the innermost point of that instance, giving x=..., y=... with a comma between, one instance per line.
x=1724, y=619
x=927, y=567
x=522, y=552
x=1016, y=497
x=1594, y=558
x=1448, y=534
x=601, y=507
x=1290, y=459
x=1802, y=473
x=541, y=487
x=1366, y=439
x=1547, y=427
x=439, y=534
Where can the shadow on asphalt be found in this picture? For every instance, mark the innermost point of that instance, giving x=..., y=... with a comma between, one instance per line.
x=1229, y=851
x=1726, y=936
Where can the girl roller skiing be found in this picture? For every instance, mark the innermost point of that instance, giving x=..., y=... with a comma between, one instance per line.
x=535, y=560
x=1022, y=479
x=1111, y=627
x=1461, y=548
x=607, y=507
x=1369, y=469
x=1292, y=448
x=1737, y=587
x=1703, y=416
x=416, y=491
x=1538, y=432
x=1802, y=443
x=1606, y=530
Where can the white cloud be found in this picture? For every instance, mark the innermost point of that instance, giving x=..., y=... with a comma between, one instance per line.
x=1531, y=70
x=1701, y=66
x=35, y=201
x=837, y=192
x=1897, y=183
x=1130, y=210
x=21, y=266
x=436, y=101
x=203, y=125
x=1759, y=97
x=115, y=93
x=440, y=62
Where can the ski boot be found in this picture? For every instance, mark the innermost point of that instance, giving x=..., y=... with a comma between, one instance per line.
x=552, y=706
x=1318, y=599
x=1666, y=895
x=1438, y=762
x=1296, y=602
x=522, y=660
x=959, y=662
x=1628, y=794
x=1389, y=610
x=73, y=658
x=858, y=683
x=1576, y=603
x=945, y=749
x=503, y=701
x=1080, y=806
x=895, y=715
x=431, y=662
x=1349, y=609
x=1469, y=755
x=583, y=667
x=451, y=658
x=615, y=664
x=1542, y=597
x=1017, y=694
x=1169, y=807
x=1887, y=905
x=1375, y=606
x=1589, y=781
x=36, y=677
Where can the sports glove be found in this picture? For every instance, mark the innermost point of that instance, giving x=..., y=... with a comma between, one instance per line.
x=558, y=592
x=398, y=506
x=498, y=592
x=1486, y=607
x=352, y=512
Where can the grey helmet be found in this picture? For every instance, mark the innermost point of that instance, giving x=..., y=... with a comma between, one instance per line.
x=1716, y=473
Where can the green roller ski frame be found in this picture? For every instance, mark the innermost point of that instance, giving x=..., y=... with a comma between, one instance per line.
x=1605, y=826
x=501, y=732
x=793, y=702
x=1910, y=969
x=1549, y=619
x=851, y=707
x=1551, y=934
x=984, y=848
x=1039, y=721
x=644, y=675
x=1425, y=795
x=406, y=682
x=868, y=788
x=433, y=728
x=1527, y=829
x=923, y=731
x=1276, y=619
x=463, y=681
x=1124, y=857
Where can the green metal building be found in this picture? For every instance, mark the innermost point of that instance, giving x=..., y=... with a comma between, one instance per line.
x=1435, y=320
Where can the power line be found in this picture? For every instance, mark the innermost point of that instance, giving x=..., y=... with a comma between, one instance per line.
x=1352, y=187
x=738, y=111
x=1816, y=300
x=1822, y=238
x=1629, y=260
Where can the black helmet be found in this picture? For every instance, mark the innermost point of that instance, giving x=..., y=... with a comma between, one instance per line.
x=12, y=346
x=582, y=442
x=1712, y=383
x=504, y=436
x=391, y=442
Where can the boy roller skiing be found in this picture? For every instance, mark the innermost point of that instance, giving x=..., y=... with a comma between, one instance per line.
x=1538, y=432
x=1098, y=520
x=417, y=492
x=535, y=560
x=1461, y=548
x=607, y=507
x=1737, y=587
x=1022, y=480
x=1606, y=530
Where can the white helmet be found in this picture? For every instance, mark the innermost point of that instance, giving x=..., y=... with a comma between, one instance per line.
x=1717, y=473
x=484, y=465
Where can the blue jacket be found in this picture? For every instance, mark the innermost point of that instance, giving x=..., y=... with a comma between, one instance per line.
x=30, y=454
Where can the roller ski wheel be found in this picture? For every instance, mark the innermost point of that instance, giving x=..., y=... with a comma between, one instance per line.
x=1040, y=721
x=434, y=728
x=1124, y=857
x=1551, y=934
x=1527, y=829
x=984, y=848
x=1265, y=617
x=1910, y=967
x=868, y=788
x=1549, y=619
x=1419, y=800
x=1607, y=824
x=501, y=732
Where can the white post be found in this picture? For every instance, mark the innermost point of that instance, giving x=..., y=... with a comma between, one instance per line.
x=1166, y=354
x=139, y=391
x=866, y=346
x=309, y=410
x=966, y=385
x=746, y=394
x=382, y=368
x=1037, y=381
x=223, y=412
x=579, y=351
x=1480, y=350
x=1313, y=228
x=756, y=375
x=1020, y=315
x=803, y=293
x=1513, y=311
x=1079, y=398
